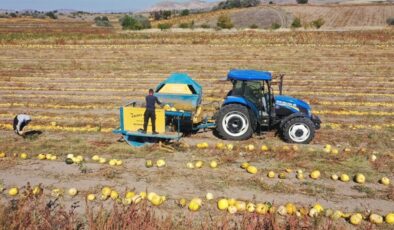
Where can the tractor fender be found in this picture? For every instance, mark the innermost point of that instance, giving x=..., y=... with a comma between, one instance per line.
x=291, y=116
x=241, y=101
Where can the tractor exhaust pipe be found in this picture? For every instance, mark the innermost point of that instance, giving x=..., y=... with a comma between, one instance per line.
x=281, y=75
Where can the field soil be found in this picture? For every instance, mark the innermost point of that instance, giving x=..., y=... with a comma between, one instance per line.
x=72, y=80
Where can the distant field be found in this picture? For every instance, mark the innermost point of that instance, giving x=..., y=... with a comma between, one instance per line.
x=345, y=16
x=335, y=16
x=72, y=78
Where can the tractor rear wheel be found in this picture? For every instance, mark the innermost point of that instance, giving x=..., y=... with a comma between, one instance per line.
x=300, y=130
x=234, y=122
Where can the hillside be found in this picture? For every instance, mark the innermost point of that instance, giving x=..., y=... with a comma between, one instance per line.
x=335, y=16
x=173, y=5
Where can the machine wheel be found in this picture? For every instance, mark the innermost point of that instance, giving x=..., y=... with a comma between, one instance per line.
x=234, y=122
x=300, y=130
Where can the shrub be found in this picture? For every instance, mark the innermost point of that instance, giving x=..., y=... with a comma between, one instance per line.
x=134, y=22
x=185, y=12
x=229, y=4
x=102, y=21
x=302, y=1
x=318, y=23
x=129, y=23
x=167, y=14
x=187, y=25
x=224, y=22
x=296, y=23
x=144, y=21
x=164, y=26
x=13, y=15
x=51, y=14
x=390, y=21
x=275, y=26
x=253, y=26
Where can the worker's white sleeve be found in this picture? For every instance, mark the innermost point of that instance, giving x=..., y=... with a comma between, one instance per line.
x=18, y=126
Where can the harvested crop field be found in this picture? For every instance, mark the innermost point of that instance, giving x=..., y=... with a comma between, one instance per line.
x=72, y=83
x=336, y=17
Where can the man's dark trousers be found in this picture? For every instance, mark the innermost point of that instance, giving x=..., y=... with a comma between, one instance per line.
x=149, y=113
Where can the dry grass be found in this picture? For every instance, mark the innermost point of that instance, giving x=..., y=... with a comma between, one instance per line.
x=35, y=212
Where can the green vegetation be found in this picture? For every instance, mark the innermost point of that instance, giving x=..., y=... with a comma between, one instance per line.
x=185, y=12
x=229, y=4
x=51, y=14
x=302, y=1
x=162, y=14
x=187, y=25
x=135, y=22
x=275, y=26
x=102, y=21
x=253, y=26
x=318, y=23
x=296, y=23
x=164, y=26
x=224, y=22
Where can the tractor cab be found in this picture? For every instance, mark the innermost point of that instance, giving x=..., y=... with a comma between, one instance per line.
x=251, y=106
x=255, y=88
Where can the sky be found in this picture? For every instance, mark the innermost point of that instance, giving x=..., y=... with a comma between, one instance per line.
x=85, y=5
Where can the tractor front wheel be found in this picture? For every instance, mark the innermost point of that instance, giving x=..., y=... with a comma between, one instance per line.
x=234, y=122
x=300, y=130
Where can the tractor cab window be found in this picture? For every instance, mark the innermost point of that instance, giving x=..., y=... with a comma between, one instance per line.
x=252, y=92
x=237, y=88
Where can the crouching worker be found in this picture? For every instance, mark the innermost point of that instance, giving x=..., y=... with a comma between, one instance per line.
x=151, y=100
x=20, y=121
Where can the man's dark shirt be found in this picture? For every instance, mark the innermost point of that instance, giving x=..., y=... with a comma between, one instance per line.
x=150, y=102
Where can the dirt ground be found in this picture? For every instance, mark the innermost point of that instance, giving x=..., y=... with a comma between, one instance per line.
x=73, y=84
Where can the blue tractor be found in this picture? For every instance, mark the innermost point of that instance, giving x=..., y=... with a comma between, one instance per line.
x=251, y=106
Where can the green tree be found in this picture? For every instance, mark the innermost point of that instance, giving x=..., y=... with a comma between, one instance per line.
x=185, y=12
x=224, y=22
x=51, y=14
x=129, y=23
x=250, y=3
x=296, y=23
x=137, y=22
x=229, y=4
x=144, y=21
x=302, y=1
x=167, y=14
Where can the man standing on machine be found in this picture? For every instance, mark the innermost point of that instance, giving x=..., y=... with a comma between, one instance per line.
x=151, y=100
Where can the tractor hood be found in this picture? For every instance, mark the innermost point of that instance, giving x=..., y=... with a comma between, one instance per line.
x=292, y=104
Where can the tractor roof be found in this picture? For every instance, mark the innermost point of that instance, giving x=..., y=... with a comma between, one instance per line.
x=249, y=75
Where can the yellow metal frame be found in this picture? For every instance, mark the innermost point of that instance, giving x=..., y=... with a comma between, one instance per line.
x=133, y=118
